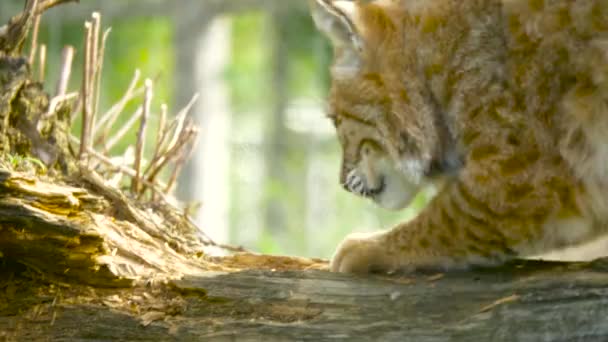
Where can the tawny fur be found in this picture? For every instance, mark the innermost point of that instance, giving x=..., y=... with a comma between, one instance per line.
x=505, y=102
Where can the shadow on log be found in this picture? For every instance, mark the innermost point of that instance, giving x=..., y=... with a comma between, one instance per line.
x=82, y=260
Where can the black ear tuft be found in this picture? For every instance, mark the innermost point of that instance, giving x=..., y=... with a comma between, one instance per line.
x=336, y=19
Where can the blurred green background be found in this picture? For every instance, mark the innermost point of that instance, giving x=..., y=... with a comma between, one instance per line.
x=266, y=168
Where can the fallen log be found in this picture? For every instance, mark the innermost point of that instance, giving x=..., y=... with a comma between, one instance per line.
x=524, y=301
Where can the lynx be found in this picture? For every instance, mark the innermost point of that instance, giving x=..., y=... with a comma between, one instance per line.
x=503, y=105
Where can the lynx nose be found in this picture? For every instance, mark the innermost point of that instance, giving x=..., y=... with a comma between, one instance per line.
x=344, y=170
x=355, y=183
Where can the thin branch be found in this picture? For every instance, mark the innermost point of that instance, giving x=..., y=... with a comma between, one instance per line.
x=161, y=130
x=130, y=172
x=159, y=138
x=184, y=156
x=123, y=130
x=96, y=21
x=34, y=47
x=166, y=148
x=77, y=108
x=173, y=152
x=159, y=163
x=180, y=119
x=67, y=57
x=92, y=74
x=125, y=160
x=86, y=94
x=141, y=137
x=55, y=101
x=46, y=5
x=42, y=63
x=108, y=119
x=100, y=60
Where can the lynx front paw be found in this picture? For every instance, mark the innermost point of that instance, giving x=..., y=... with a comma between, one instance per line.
x=362, y=253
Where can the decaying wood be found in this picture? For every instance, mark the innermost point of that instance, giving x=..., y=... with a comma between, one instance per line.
x=91, y=237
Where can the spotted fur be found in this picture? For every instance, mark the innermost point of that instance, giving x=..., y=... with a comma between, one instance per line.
x=502, y=102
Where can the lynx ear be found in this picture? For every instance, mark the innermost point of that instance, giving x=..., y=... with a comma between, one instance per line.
x=336, y=19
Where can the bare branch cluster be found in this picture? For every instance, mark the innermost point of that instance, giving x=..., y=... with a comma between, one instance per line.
x=99, y=135
x=133, y=171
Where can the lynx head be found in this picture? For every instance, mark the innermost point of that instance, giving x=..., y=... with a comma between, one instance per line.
x=388, y=123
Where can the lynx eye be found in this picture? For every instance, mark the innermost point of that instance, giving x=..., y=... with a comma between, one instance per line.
x=367, y=147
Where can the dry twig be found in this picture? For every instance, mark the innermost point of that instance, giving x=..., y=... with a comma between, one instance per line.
x=99, y=68
x=141, y=137
x=42, y=63
x=184, y=155
x=34, y=45
x=86, y=95
x=112, y=141
x=62, y=84
x=94, y=57
x=67, y=56
x=167, y=149
x=109, y=118
x=156, y=187
x=161, y=130
x=48, y=4
x=56, y=101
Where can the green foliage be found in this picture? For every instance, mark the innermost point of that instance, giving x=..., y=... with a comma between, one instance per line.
x=142, y=43
x=25, y=164
x=309, y=52
x=269, y=245
x=249, y=68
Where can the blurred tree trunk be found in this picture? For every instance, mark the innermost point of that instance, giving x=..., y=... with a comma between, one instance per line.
x=276, y=139
x=211, y=160
x=202, y=52
x=191, y=22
